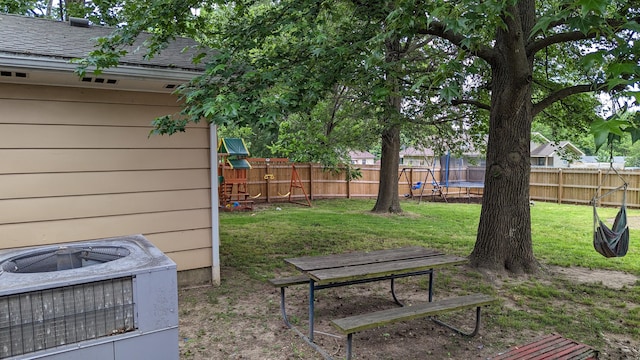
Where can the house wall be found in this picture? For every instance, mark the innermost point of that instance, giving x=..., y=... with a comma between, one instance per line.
x=413, y=161
x=408, y=160
x=77, y=164
x=365, y=161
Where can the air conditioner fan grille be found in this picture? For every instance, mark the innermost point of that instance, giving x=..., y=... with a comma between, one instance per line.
x=63, y=258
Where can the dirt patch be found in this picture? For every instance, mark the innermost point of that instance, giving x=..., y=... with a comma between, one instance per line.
x=632, y=221
x=241, y=320
x=611, y=279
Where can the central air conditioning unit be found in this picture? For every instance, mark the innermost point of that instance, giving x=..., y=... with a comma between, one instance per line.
x=103, y=299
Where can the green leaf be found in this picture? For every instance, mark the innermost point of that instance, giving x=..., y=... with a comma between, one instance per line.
x=591, y=60
x=632, y=25
x=618, y=69
x=597, y=6
x=635, y=134
x=450, y=92
x=543, y=23
x=603, y=129
x=381, y=92
x=418, y=83
x=615, y=82
x=585, y=24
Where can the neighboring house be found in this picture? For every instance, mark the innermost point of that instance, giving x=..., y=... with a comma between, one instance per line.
x=76, y=158
x=545, y=153
x=362, y=158
x=593, y=163
x=411, y=156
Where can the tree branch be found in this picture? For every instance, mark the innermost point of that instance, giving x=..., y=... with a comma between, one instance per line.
x=475, y=103
x=438, y=29
x=563, y=93
x=538, y=45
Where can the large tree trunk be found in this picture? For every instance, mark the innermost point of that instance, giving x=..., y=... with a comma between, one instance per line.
x=388, y=197
x=504, y=234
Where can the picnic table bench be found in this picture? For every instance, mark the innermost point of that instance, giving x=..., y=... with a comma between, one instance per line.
x=353, y=324
x=321, y=272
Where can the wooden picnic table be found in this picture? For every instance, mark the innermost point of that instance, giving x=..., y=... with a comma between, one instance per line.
x=361, y=267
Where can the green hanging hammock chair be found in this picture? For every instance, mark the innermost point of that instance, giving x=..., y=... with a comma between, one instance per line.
x=614, y=241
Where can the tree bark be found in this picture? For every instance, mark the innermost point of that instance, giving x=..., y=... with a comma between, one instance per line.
x=504, y=233
x=388, y=196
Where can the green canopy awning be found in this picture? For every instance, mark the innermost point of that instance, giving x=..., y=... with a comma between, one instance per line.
x=239, y=163
x=233, y=146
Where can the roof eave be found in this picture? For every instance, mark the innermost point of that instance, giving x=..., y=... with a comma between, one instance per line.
x=56, y=64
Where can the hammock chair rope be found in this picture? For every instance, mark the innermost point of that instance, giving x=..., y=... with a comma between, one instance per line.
x=614, y=241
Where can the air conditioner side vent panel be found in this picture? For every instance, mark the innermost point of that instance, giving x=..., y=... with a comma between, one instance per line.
x=122, y=298
x=45, y=319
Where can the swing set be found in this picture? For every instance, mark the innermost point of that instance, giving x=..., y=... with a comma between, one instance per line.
x=611, y=241
x=294, y=183
x=232, y=175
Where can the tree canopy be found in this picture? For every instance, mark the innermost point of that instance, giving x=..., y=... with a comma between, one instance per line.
x=410, y=61
x=432, y=71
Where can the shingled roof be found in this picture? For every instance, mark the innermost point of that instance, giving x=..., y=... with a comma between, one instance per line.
x=39, y=38
x=548, y=149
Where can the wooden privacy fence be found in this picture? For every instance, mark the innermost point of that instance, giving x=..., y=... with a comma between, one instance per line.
x=270, y=181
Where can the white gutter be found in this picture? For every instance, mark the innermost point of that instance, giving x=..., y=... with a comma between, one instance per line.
x=215, y=219
x=54, y=64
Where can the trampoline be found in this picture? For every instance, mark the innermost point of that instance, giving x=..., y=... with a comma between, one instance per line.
x=454, y=173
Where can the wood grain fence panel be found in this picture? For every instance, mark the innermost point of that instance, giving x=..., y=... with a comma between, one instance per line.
x=571, y=186
x=367, y=185
x=544, y=184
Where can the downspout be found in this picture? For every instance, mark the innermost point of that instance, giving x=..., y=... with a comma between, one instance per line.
x=215, y=220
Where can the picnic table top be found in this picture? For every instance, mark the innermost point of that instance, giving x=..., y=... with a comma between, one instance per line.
x=372, y=264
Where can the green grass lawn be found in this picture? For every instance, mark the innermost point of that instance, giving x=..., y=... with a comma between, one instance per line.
x=257, y=242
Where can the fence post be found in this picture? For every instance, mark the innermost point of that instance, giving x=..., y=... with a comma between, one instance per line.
x=599, y=188
x=560, y=183
x=266, y=178
x=348, y=178
x=310, y=181
x=411, y=181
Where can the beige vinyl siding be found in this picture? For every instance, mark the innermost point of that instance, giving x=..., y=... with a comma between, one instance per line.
x=78, y=164
x=24, y=161
x=95, y=182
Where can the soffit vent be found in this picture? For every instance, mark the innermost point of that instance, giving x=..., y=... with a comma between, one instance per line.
x=15, y=74
x=170, y=86
x=99, y=80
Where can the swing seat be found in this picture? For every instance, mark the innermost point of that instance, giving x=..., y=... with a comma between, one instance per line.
x=612, y=242
x=417, y=186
